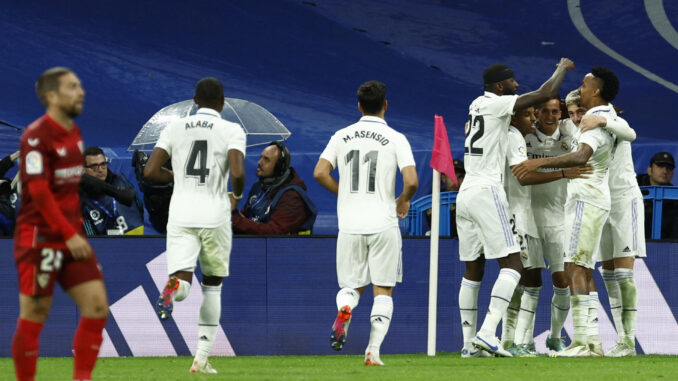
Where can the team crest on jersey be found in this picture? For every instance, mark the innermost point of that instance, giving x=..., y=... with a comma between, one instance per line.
x=43, y=280
x=33, y=163
x=565, y=146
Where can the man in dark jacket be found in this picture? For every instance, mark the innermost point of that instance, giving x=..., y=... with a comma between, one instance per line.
x=103, y=214
x=660, y=173
x=277, y=203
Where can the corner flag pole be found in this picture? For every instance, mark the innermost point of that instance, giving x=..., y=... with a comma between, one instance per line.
x=433, y=265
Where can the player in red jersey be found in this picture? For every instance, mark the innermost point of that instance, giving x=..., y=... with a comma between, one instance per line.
x=49, y=244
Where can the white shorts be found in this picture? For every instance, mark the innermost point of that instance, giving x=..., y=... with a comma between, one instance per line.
x=583, y=228
x=211, y=245
x=530, y=252
x=483, y=224
x=550, y=246
x=370, y=258
x=624, y=231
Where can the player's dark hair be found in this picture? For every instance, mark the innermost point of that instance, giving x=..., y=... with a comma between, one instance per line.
x=284, y=158
x=610, y=83
x=209, y=92
x=371, y=96
x=547, y=101
x=49, y=81
x=93, y=151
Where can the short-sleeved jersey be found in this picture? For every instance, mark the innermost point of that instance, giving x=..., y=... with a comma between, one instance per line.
x=485, y=145
x=548, y=199
x=198, y=146
x=519, y=197
x=367, y=155
x=49, y=152
x=594, y=189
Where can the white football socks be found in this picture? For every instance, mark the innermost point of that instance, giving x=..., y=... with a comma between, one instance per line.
x=347, y=297
x=526, y=318
x=208, y=322
x=629, y=299
x=380, y=320
x=182, y=291
x=560, y=307
x=580, y=313
x=499, y=300
x=510, y=319
x=468, y=309
x=592, y=331
x=614, y=294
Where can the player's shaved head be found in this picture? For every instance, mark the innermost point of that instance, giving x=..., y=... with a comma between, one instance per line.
x=607, y=82
x=371, y=97
x=49, y=81
x=209, y=92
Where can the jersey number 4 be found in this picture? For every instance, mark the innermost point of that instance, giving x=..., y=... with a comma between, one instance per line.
x=353, y=159
x=478, y=122
x=196, y=165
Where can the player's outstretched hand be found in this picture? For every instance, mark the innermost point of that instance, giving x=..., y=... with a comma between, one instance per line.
x=578, y=172
x=402, y=207
x=590, y=121
x=566, y=63
x=79, y=247
x=523, y=169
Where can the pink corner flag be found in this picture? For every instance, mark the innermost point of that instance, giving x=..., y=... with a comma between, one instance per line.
x=441, y=157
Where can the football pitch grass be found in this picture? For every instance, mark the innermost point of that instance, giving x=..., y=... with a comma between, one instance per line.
x=444, y=366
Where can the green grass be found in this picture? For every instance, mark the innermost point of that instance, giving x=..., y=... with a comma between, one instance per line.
x=447, y=366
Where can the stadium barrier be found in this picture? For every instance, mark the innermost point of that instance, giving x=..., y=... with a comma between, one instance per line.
x=280, y=300
x=416, y=223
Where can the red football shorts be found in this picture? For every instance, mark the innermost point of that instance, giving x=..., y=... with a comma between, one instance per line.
x=40, y=268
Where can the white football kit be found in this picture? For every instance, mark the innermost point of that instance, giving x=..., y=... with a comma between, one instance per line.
x=519, y=200
x=368, y=155
x=483, y=219
x=624, y=231
x=588, y=199
x=548, y=199
x=199, y=224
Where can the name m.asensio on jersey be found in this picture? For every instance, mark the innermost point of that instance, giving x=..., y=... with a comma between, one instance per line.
x=362, y=134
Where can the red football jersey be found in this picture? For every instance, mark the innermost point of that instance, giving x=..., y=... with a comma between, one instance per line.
x=49, y=152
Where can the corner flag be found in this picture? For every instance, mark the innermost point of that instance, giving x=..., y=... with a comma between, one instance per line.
x=441, y=157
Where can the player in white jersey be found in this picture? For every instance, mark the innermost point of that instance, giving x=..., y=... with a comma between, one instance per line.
x=588, y=200
x=204, y=149
x=518, y=323
x=482, y=210
x=623, y=239
x=367, y=155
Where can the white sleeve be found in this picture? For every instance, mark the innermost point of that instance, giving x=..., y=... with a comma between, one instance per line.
x=238, y=140
x=330, y=152
x=567, y=127
x=164, y=139
x=516, y=152
x=404, y=153
x=620, y=128
x=501, y=106
x=593, y=138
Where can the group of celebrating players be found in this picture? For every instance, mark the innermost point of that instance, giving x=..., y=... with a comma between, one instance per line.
x=564, y=194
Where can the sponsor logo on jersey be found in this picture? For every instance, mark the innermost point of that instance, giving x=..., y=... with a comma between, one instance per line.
x=68, y=172
x=33, y=163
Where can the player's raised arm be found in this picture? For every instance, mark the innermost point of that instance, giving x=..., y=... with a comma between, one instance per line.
x=322, y=175
x=548, y=89
x=154, y=169
x=410, y=185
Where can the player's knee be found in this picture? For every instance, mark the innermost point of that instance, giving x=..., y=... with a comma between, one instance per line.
x=36, y=313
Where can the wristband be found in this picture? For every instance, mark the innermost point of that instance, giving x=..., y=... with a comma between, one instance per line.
x=561, y=171
x=239, y=197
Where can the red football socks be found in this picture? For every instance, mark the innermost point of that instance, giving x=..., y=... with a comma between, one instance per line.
x=86, y=344
x=25, y=349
